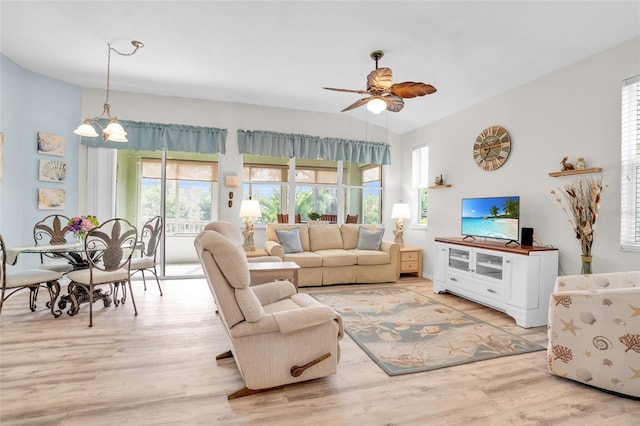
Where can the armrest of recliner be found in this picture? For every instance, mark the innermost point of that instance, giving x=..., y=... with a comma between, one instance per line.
x=268, y=293
x=298, y=319
x=289, y=321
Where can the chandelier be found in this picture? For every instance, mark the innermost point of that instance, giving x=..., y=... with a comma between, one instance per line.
x=114, y=131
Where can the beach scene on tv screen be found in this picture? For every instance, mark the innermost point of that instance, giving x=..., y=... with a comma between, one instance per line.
x=495, y=217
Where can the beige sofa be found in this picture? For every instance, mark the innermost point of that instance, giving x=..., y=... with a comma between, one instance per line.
x=594, y=330
x=330, y=255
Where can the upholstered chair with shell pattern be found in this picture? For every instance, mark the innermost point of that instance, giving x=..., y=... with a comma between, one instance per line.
x=594, y=330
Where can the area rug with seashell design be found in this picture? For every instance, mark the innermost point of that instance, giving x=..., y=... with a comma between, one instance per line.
x=406, y=332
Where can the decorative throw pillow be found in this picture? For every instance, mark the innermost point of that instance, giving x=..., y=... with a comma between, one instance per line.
x=369, y=240
x=290, y=240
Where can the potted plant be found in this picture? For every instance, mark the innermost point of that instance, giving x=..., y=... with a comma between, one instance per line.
x=314, y=215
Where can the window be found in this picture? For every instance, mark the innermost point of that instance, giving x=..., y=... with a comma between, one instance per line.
x=420, y=175
x=363, y=192
x=265, y=179
x=316, y=187
x=190, y=191
x=322, y=186
x=630, y=166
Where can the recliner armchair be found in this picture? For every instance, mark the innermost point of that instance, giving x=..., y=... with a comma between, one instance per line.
x=277, y=336
x=594, y=330
x=234, y=235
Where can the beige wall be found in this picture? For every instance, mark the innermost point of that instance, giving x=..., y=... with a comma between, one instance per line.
x=574, y=112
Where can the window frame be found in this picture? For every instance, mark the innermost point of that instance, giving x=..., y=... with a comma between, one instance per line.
x=419, y=182
x=630, y=165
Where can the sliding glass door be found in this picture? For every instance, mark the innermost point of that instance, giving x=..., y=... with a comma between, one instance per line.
x=180, y=187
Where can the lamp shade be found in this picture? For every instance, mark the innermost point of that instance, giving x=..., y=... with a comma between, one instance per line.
x=376, y=105
x=116, y=138
x=86, y=129
x=115, y=128
x=400, y=211
x=250, y=208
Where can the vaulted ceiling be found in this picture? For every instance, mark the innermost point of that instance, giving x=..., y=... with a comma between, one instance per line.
x=281, y=53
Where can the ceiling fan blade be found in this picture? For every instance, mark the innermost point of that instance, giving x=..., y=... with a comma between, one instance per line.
x=362, y=92
x=356, y=104
x=380, y=79
x=410, y=89
x=394, y=103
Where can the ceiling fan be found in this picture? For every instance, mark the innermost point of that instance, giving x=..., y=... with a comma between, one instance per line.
x=383, y=94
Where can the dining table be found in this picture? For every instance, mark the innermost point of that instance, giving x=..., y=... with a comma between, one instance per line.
x=75, y=254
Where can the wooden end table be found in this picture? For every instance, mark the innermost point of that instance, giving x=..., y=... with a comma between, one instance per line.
x=410, y=261
x=258, y=252
x=287, y=268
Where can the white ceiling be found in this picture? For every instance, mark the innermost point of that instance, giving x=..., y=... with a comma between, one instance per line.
x=282, y=53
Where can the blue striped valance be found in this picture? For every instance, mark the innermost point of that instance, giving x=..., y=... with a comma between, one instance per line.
x=172, y=137
x=261, y=142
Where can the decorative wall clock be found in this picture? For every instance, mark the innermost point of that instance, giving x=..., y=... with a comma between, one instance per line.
x=492, y=148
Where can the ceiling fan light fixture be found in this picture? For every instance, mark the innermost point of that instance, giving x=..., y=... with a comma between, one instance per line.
x=376, y=105
x=114, y=131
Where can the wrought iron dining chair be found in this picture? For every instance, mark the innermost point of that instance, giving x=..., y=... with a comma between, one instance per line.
x=53, y=230
x=150, y=238
x=31, y=279
x=108, y=250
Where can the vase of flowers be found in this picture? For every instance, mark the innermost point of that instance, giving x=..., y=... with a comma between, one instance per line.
x=580, y=200
x=80, y=225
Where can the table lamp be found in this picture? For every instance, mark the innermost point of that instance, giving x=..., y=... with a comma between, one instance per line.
x=400, y=211
x=249, y=209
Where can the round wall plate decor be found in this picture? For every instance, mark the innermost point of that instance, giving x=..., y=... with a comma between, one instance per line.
x=492, y=148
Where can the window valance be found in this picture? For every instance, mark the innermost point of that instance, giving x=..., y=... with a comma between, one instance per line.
x=172, y=137
x=260, y=142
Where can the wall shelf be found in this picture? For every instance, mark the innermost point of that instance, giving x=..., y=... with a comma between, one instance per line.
x=444, y=185
x=576, y=172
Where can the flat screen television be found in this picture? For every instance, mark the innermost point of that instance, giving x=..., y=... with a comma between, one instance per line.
x=491, y=217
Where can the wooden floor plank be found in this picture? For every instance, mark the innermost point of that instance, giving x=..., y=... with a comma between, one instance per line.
x=160, y=368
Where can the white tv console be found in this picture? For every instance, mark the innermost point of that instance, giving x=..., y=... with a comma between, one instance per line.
x=514, y=279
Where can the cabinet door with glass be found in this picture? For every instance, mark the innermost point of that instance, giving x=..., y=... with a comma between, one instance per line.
x=460, y=260
x=489, y=266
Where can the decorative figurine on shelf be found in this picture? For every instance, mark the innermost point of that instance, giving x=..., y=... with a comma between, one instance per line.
x=580, y=164
x=566, y=165
x=439, y=180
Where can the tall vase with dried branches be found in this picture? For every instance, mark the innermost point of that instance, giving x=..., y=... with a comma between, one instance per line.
x=580, y=200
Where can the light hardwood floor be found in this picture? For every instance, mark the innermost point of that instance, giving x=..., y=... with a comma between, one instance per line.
x=160, y=368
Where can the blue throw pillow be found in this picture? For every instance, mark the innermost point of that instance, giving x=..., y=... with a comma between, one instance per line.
x=369, y=240
x=290, y=240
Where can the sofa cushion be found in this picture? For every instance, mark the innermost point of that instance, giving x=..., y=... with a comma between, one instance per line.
x=372, y=257
x=304, y=233
x=306, y=259
x=337, y=257
x=290, y=239
x=369, y=240
x=350, y=234
x=325, y=237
